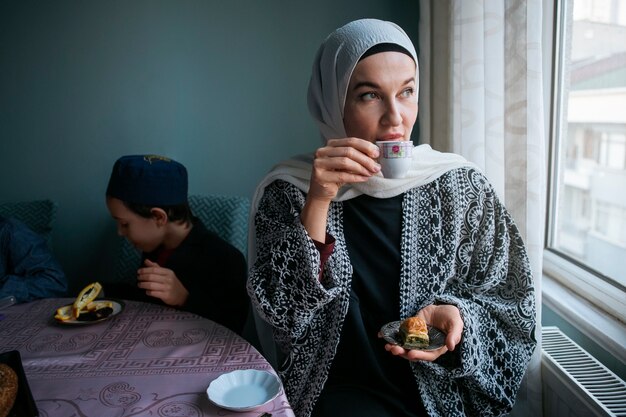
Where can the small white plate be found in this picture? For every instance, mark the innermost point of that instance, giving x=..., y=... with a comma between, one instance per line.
x=243, y=390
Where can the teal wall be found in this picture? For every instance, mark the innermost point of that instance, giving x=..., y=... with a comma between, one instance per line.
x=217, y=85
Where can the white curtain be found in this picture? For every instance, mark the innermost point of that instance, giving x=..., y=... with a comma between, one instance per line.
x=482, y=97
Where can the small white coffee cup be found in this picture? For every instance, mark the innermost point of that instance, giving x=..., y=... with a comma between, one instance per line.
x=395, y=157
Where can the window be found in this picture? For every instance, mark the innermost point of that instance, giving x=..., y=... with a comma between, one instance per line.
x=586, y=238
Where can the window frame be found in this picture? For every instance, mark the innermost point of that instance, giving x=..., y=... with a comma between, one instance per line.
x=600, y=291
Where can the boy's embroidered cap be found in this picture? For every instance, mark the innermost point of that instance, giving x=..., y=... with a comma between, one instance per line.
x=150, y=180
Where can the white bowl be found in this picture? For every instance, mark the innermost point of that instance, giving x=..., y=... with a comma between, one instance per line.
x=243, y=390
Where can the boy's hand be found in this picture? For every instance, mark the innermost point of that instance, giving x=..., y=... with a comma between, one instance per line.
x=162, y=283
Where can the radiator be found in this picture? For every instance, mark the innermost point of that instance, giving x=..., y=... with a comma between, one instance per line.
x=574, y=383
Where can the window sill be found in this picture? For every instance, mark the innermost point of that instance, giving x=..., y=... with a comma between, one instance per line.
x=608, y=332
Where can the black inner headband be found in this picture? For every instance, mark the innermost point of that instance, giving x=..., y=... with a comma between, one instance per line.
x=385, y=47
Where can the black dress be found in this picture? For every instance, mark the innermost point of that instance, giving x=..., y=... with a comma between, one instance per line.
x=364, y=379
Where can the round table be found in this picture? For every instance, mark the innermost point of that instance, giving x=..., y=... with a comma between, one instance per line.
x=148, y=360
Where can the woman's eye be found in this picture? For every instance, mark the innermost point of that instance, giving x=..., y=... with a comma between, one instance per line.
x=368, y=96
x=408, y=92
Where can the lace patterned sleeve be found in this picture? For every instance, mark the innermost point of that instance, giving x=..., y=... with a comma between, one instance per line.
x=492, y=286
x=283, y=281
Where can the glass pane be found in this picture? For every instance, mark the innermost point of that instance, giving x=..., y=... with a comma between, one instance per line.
x=591, y=183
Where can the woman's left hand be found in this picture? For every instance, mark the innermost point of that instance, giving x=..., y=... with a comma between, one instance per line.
x=445, y=317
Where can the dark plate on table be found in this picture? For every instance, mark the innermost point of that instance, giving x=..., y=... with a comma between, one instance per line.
x=91, y=318
x=391, y=333
x=24, y=405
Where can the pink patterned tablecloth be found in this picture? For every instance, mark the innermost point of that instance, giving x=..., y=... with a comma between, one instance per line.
x=148, y=360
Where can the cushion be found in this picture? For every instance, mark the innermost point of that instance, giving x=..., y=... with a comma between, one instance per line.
x=39, y=215
x=227, y=216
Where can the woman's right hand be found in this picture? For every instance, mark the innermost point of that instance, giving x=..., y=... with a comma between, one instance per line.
x=341, y=161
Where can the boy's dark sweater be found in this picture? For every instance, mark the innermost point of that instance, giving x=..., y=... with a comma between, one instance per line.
x=214, y=273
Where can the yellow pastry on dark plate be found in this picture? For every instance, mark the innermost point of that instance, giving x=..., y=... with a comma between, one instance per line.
x=414, y=333
x=86, y=296
x=392, y=334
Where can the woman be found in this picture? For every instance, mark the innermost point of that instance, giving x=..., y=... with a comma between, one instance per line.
x=337, y=251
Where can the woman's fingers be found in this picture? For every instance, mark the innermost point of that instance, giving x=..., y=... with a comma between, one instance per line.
x=342, y=161
x=425, y=355
x=341, y=146
x=415, y=354
x=348, y=164
x=445, y=317
x=367, y=148
x=350, y=154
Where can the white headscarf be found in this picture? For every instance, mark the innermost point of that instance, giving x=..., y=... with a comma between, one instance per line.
x=334, y=63
x=333, y=66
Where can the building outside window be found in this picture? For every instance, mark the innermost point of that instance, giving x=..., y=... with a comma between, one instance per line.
x=587, y=226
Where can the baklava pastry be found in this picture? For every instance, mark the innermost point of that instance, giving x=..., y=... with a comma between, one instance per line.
x=414, y=333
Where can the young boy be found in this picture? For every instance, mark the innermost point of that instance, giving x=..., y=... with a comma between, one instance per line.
x=183, y=264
